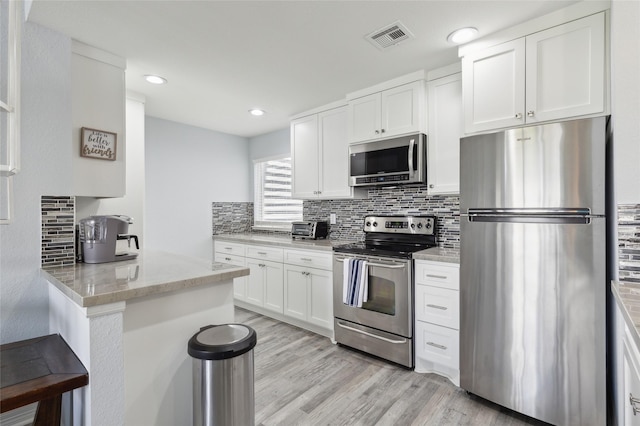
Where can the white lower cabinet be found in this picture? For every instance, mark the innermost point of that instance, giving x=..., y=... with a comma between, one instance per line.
x=437, y=311
x=264, y=284
x=308, y=295
x=627, y=374
x=239, y=284
x=290, y=285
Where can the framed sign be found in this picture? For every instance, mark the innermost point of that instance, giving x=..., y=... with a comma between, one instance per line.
x=98, y=144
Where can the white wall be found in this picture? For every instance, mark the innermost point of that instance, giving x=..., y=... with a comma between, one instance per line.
x=132, y=204
x=625, y=98
x=265, y=146
x=46, y=170
x=187, y=168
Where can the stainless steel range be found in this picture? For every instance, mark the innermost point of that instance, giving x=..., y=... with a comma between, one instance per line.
x=379, y=319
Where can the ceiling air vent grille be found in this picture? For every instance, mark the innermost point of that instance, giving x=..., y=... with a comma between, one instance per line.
x=389, y=35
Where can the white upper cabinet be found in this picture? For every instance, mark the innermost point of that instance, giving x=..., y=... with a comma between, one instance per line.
x=552, y=74
x=304, y=157
x=319, y=155
x=567, y=69
x=445, y=130
x=386, y=113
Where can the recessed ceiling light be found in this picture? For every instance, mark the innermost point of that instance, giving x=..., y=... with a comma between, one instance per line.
x=155, y=79
x=256, y=112
x=462, y=35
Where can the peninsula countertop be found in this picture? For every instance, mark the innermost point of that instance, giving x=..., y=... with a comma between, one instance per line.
x=627, y=296
x=151, y=273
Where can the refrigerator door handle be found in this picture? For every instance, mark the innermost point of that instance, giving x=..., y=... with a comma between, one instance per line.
x=531, y=211
x=550, y=216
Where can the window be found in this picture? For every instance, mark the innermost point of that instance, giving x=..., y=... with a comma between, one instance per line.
x=273, y=205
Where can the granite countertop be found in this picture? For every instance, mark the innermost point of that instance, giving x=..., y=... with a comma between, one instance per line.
x=150, y=273
x=284, y=241
x=627, y=295
x=438, y=254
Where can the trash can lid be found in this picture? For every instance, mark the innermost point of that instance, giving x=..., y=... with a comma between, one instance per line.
x=215, y=342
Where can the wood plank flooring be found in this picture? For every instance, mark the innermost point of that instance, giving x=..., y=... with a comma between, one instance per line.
x=301, y=378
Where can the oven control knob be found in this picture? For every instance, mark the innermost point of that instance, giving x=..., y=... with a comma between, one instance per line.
x=413, y=225
x=419, y=225
x=368, y=224
x=428, y=225
x=375, y=224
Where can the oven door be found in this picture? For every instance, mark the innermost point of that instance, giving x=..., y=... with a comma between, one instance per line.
x=390, y=301
x=390, y=161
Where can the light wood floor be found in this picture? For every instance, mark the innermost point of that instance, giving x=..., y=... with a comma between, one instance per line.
x=301, y=378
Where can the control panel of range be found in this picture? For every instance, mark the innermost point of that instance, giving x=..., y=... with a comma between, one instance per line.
x=425, y=225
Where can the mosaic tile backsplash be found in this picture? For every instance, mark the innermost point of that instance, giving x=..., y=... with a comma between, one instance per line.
x=234, y=217
x=405, y=200
x=629, y=242
x=58, y=225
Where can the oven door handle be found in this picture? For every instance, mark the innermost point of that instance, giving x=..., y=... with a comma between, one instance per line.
x=397, y=342
x=382, y=265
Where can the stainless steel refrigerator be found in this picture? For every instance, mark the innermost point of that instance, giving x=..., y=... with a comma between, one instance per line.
x=533, y=270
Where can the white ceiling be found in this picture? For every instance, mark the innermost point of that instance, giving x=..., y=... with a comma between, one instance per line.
x=222, y=58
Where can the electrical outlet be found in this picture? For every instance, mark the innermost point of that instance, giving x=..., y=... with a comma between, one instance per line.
x=332, y=219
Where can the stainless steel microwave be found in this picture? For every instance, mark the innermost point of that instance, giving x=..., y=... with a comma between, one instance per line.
x=394, y=161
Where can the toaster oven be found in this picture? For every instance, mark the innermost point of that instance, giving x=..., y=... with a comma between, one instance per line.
x=312, y=229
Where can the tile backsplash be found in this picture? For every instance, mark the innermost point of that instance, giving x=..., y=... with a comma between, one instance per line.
x=405, y=200
x=234, y=217
x=629, y=242
x=58, y=226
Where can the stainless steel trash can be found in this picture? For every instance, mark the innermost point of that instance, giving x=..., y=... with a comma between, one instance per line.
x=223, y=385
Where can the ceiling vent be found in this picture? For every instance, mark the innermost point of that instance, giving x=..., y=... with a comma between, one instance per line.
x=389, y=35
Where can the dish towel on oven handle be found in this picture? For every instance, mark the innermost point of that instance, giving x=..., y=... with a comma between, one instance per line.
x=355, y=286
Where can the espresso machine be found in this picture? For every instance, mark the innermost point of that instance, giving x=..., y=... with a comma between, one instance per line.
x=98, y=235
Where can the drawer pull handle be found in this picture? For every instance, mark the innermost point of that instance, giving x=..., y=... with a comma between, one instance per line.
x=227, y=259
x=440, y=277
x=306, y=259
x=306, y=273
x=264, y=253
x=444, y=308
x=435, y=345
x=262, y=265
x=228, y=248
x=633, y=401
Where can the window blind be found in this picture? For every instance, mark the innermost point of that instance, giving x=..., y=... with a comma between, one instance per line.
x=273, y=205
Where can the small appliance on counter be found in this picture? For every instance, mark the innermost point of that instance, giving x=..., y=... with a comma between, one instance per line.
x=98, y=236
x=312, y=229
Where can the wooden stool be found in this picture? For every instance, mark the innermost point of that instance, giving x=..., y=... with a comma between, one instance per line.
x=39, y=370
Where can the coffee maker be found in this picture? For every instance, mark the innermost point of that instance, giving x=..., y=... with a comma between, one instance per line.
x=98, y=236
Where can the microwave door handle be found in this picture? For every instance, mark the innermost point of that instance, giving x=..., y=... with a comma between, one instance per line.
x=412, y=147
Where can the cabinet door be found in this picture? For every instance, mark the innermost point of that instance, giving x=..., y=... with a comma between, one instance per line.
x=364, y=118
x=440, y=345
x=274, y=288
x=255, y=282
x=400, y=109
x=334, y=169
x=320, y=298
x=240, y=283
x=493, y=87
x=295, y=292
x=304, y=157
x=566, y=70
x=445, y=130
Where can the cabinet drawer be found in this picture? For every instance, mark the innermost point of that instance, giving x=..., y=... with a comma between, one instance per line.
x=229, y=258
x=312, y=259
x=437, y=274
x=266, y=253
x=229, y=248
x=437, y=344
x=439, y=306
